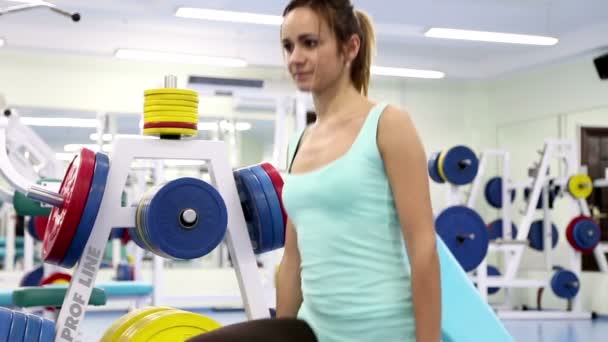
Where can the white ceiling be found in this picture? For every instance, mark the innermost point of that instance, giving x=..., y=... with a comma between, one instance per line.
x=581, y=26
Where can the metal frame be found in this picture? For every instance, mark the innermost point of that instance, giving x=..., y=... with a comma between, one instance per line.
x=512, y=250
x=14, y=137
x=124, y=151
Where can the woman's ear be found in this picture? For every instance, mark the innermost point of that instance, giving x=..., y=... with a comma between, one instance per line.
x=351, y=48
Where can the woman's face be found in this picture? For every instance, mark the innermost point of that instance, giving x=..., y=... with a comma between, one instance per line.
x=310, y=50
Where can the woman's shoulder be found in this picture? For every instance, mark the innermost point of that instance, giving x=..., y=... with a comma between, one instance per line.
x=394, y=123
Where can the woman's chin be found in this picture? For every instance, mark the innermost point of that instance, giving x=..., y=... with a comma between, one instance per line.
x=304, y=86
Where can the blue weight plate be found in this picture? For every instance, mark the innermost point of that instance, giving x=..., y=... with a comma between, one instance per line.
x=17, y=326
x=456, y=172
x=432, y=167
x=32, y=278
x=145, y=232
x=464, y=232
x=565, y=284
x=493, y=272
x=6, y=318
x=256, y=210
x=493, y=192
x=116, y=233
x=274, y=204
x=134, y=233
x=495, y=230
x=32, y=328
x=163, y=225
x=47, y=331
x=539, y=204
x=535, y=235
x=123, y=272
x=89, y=214
x=31, y=229
x=586, y=233
x=251, y=218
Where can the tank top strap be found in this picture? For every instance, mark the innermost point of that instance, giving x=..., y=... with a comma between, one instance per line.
x=369, y=131
x=293, y=147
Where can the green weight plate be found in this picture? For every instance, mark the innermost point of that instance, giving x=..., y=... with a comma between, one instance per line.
x=27, y=207
x=51, y=296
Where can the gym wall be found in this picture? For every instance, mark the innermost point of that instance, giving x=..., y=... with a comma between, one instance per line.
x=445, y=112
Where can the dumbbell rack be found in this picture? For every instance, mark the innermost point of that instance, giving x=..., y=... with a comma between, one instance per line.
x=111, y=214
x=513, y=249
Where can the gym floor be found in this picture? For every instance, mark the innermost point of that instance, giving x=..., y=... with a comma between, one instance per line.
x=529, y=331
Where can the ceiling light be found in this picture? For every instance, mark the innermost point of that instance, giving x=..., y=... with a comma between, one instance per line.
x=157, y=56
x=402, y=72
x=1, y=42
x=230, y=16
x=59, y=122
x=495, y=37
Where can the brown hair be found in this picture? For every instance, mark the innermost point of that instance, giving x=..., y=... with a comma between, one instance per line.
x=345, y=21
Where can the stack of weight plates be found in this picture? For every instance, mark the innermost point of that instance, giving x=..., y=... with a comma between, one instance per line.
x=170, y=112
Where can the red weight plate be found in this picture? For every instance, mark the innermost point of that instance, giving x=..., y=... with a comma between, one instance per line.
x=64, y=220
x=278, y=183
x=126, y=236
x=40, y=223
x=170, y=125
x=570, y=233
x=56, y=278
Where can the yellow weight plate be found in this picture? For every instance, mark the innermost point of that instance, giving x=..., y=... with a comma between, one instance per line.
x=175, y=114
x=171, y=103
x=580, y=186
x=192, y=120
x=440, y=161
x=170, y=109
x=174, y=97
x=169, y=325
x=170, y=91
x=170, y=131
x=123, y=323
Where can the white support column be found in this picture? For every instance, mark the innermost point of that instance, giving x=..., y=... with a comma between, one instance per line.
x=547, y=234
x=478, y=181
x=524, y=226
x=9, y=257
x=28, y=249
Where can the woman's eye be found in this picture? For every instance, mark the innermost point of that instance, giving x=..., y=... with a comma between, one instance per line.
x=288, y=47
x=311, y=43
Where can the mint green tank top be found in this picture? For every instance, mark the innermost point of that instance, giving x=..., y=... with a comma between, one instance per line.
x=354, y=268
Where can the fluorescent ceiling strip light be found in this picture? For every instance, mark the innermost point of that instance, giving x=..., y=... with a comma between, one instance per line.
x=229, y=16
x=59, y=122
x=495, y=37
x=157, y=56
x=403, y=72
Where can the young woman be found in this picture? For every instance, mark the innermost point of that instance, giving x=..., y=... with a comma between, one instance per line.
x=356, y=193
x=360, y=261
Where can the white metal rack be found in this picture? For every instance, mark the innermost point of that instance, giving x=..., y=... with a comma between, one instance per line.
x=111, y=214
x=512, y=249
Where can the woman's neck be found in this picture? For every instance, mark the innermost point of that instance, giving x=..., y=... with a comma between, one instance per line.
x=337, y=100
